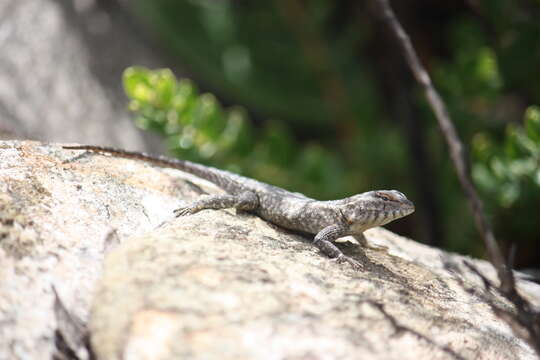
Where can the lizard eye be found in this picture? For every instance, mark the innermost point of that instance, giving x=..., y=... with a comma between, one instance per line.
x=386, y=196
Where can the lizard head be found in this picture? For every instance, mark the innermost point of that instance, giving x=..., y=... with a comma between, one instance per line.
x=375, y=208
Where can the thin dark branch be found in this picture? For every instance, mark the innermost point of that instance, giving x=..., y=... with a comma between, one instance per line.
x=505, y=275
x=454, y=144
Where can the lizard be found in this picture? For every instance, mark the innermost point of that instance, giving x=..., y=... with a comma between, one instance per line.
x=326, y=220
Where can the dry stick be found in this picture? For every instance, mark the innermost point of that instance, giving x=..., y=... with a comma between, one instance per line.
x=456, y=148
x=526, y=316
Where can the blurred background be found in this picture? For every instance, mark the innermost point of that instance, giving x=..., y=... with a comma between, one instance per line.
x=313, y=96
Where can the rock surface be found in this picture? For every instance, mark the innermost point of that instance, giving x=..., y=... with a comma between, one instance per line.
x=218, y=284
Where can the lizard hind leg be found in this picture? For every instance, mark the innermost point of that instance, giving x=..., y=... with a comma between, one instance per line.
x=244, y=201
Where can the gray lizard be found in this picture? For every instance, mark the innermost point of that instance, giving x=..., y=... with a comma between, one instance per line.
x=327, y=220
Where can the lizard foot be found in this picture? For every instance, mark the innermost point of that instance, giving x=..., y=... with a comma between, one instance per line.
x=184, y=211
x=354, y=263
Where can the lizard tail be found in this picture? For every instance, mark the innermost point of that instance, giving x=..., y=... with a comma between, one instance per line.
x=211, y=174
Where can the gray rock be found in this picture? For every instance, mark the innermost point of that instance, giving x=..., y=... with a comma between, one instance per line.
x=218, y=284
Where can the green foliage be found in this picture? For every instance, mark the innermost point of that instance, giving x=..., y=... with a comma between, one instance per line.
x=259, y=54
x=510, y=172
x=483, y=83
x=197, y=127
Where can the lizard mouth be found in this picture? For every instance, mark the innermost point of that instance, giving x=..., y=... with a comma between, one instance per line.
x=408, y=208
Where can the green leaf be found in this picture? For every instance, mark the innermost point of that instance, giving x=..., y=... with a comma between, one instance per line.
x=514, y=144
x=509, y=194
x=532, y=123
x=164, y=83
x=482, y=147
x=483, y=177
x=137, y=84
x=486, y=68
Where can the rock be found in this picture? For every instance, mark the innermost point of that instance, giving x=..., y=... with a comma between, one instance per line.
x=217, y=284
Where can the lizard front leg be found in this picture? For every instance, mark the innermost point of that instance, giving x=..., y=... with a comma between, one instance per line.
x=324, y=241
x=245, y=201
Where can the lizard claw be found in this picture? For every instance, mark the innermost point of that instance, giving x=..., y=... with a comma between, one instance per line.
x=183, y=211
x=356, y=265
